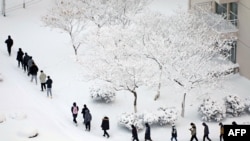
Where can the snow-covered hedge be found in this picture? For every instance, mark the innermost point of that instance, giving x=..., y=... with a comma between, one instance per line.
x=247, y=104
x=211, y=110
x=102, y=91
x=127, y=119
x=163, y=116
x=150, y=118
x=167, y=115
x=234, y=105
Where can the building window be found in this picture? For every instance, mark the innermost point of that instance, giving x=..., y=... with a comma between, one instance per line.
x=228, y=10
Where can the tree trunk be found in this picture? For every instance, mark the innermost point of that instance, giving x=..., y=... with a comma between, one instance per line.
x=159, y=86
x=183, y=105
x=135, y=101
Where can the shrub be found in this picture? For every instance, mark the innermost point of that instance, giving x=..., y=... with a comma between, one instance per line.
x=102, y=91
x=211, y=110
x=247, y=105
x=167, y=115
x=234, y=105
x=150, y=118
x=127, y=119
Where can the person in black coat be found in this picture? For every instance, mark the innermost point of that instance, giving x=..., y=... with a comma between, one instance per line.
x=206, y=132
x=147, y=133
x=33, y=71
x=49, y=86
x=174, y=133
x=19, y=57
x=9, y=43
x=105, y=126
x=84, y=109
x=134, y=133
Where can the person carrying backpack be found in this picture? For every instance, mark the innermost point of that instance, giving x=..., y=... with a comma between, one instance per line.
x=74, y=110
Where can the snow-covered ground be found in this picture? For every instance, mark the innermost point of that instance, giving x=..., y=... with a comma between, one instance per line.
x=25, y=110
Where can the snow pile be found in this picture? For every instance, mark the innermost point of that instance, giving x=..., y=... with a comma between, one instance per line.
x=127, y=119
x=234, y=105
x=102, y=91
x=1, y=77
x=211, y=110
x=2, y=118
x=18, y=116
x=28, y=132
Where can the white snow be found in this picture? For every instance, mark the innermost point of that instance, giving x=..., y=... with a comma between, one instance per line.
x=25, y=110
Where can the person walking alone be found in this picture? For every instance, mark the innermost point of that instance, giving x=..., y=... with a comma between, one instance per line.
x=87, y=120
x=74, y=111
x=49, y=86
x=134, y=133
x=105, y=126
x=19, y=57
x=147, y=133
x=174, y=133
x=9, y=43
x=206, y=132
x=193, y=132
x=42, y=78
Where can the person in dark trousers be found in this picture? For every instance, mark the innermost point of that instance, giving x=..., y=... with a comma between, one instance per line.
x=147, y=133
x=134, y=133
x=42, y=78
x=26, y=57
x=84, y=109
x=33, y=71
x=74, y=111
x=87, y=120
x=19, y=57
x=206, y=132
x=174, y=133
x=221, y=131
x=105, y=126
x=49, y=86
x=29, y=64
x=193, y=132
x=9, y=43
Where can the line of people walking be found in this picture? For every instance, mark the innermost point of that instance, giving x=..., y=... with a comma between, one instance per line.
x=87, y=118
x=29, y=66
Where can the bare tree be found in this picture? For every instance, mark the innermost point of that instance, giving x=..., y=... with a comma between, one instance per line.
x=67, y=16
x=198, y=55
x=113, y=60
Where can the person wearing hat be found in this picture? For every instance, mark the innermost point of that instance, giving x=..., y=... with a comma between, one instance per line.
x=174, y=133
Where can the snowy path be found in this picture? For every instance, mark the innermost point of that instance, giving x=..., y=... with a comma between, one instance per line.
x=29, y=99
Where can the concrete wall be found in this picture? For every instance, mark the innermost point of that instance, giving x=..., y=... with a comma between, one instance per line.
x=243, y=48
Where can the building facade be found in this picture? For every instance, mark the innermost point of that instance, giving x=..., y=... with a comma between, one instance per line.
x=236, y=12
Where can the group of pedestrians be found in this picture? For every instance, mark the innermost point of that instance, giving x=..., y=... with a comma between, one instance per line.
x=29, y=66
x=87, y=118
